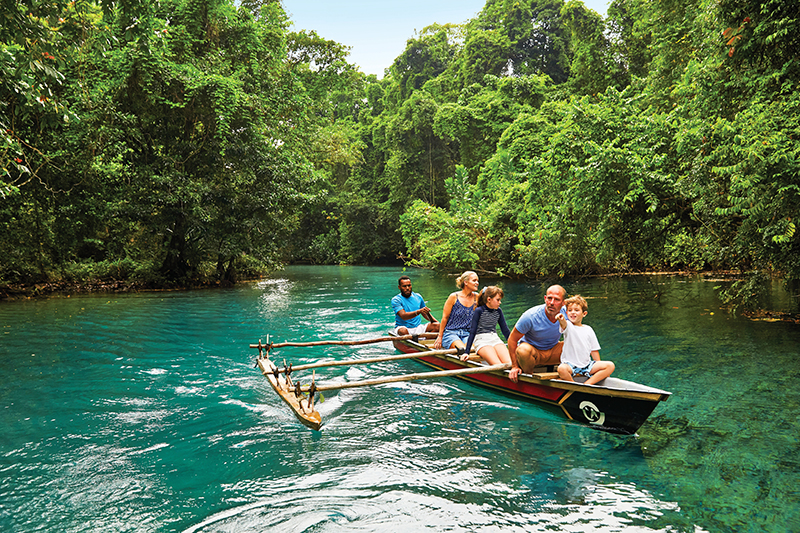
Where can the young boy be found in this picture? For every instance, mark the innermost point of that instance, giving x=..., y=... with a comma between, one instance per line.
x=580, y=355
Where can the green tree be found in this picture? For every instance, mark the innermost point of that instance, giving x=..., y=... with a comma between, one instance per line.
x=426, y=56
x=594, y=64
x=483, y=112
x=537, y=42
x=186, y=155
x=485, y=52
x=33, y=53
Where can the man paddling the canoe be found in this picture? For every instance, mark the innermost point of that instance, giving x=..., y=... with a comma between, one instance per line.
x=408, y=306
x=534, y=341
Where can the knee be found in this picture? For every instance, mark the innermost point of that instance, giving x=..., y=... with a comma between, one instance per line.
x=524, y=350
x=564, y=370
x=488, y=354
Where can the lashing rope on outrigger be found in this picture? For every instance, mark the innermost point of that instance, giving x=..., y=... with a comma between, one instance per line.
x=263, y=353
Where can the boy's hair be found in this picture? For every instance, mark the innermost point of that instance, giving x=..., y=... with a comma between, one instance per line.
x=576, y=300
x=489, y=292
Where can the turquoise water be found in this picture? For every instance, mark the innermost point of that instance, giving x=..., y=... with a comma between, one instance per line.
x=144, y=413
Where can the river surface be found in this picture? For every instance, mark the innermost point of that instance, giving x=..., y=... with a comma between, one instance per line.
x=144, y=413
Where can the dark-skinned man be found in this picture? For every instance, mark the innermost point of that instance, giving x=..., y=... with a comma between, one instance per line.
x=408, y=306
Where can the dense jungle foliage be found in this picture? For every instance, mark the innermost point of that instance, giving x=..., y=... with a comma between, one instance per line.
x=189, y=141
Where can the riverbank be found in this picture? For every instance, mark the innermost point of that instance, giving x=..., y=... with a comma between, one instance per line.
x=23, y=291
x=11, y=292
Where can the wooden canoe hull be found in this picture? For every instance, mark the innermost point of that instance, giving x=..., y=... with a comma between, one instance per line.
x=617, y=405
x=300, y=406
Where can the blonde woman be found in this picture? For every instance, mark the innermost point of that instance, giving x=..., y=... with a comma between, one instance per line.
x=454, y=327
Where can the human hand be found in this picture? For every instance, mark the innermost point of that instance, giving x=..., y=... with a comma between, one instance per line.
x=437, y=344
x=514, y=373
x=560, y=317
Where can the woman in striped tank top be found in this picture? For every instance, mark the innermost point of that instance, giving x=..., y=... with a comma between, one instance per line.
x=454, y=327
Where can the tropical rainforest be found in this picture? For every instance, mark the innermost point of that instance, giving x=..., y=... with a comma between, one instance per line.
x=178, y=142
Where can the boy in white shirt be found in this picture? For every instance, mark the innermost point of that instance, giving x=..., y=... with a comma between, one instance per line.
x=580, y=355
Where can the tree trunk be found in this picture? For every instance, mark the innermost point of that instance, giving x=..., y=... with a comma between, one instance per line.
x=175, y=266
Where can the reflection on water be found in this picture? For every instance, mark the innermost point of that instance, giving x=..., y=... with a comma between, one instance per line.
x=144, y=413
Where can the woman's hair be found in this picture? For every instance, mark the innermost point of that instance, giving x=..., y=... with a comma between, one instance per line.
x=576, y=300
x=463, y=277
x=489, y=292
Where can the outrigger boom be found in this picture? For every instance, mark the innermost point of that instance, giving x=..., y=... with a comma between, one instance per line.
x=349, y=362
x=301, y=398
x=409, y=377
x=347, y=343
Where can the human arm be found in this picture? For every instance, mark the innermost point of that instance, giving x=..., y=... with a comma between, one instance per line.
x=562, y=321
x=426, y=312
x=408, y=315
x=513, y=341
x=448, y=307
x=594, y=345
x=415, y=300
x=503, y=325
x=473, y=329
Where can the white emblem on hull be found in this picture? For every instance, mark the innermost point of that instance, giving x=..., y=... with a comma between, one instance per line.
x=592, y=413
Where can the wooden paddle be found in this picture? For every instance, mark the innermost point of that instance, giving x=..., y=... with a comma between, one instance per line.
x=429, y=335
x=410, y=377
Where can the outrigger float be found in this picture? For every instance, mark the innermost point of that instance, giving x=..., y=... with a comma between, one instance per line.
x=614, y=404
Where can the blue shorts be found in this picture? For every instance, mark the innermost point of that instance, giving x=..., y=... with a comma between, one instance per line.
x=452, y=335
x=582, y=371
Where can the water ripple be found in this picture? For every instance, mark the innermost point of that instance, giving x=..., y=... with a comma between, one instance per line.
x=145, y=413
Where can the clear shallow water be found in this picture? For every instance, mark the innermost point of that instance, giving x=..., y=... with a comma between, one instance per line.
x=144, y=413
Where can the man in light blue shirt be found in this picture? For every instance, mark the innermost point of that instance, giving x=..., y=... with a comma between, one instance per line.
x=407, y=307
x=534, y=341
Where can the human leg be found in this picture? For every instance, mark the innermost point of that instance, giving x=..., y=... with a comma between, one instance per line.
x=600, y=371
x=525, y=357
x=488, y=354
x=502, y=353
x=455, y=338
x=565, y=372
x=491, y=348
x=530, y=357
x=417, y=330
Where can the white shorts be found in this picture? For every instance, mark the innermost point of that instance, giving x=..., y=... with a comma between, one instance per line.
x=419, y=330
x=486, y=339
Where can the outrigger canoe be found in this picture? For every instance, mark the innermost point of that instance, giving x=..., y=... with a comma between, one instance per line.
x=301, y=398
x=614, y=404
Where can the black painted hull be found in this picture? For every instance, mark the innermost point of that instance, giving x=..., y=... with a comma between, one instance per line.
x=614, y=405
